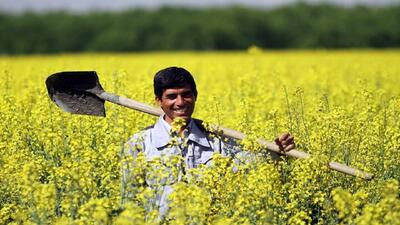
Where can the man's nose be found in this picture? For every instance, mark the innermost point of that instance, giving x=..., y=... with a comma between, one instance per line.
x=179, y=100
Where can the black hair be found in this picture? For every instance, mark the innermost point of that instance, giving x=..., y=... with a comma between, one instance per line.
x=173, y=77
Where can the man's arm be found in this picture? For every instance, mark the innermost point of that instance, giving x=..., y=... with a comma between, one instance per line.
x=230, y=147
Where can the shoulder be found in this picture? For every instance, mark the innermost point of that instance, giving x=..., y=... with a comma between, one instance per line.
x=137, y=140
x=203, y=127
x=139, y=136
x=226, y=145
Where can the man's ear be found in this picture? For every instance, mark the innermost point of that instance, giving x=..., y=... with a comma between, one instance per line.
x=158, y=100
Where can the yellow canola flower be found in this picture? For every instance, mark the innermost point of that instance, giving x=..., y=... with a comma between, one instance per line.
x=343, y=106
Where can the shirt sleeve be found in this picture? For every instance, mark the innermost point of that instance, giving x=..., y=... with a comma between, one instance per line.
x=231, y=148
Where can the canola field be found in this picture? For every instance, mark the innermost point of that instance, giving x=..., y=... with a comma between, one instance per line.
x=343, y=106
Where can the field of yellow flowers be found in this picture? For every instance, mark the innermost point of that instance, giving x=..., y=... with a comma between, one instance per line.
x=344, y=106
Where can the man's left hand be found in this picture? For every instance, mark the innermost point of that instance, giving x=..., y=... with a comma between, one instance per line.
x=285, y=142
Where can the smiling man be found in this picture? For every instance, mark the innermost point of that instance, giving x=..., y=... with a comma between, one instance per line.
x=175, y=91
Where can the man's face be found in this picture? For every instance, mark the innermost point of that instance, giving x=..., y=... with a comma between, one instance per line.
x=177, y=102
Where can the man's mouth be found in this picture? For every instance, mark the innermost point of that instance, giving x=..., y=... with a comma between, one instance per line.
x=180, y=111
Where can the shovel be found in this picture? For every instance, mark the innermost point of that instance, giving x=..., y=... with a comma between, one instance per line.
x=80, y=92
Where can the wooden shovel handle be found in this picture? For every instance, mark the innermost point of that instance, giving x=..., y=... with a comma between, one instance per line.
x=300, y=155
x=132, y=104
x=142, y=107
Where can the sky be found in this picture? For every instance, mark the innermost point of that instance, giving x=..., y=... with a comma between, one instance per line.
x=16, y=6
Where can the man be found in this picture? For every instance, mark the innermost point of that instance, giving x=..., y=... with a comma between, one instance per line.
x=175, y=91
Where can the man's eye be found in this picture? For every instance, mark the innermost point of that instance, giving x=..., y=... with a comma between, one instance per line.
x=170, y=97
x=187, y=95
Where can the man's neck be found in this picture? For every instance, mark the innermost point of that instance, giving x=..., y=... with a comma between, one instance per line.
x=182, y=127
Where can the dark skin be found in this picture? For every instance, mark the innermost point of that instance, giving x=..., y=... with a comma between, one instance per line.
x=285, y=142
x=180, y=102
x=177, y=102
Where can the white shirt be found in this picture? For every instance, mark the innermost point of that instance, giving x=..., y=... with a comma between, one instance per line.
x=155, y=141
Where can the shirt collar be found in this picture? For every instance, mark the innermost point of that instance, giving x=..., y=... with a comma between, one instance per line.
x=161, y=136
x=196, y=135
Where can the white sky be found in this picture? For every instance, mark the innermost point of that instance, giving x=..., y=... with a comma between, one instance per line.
x=85, y=5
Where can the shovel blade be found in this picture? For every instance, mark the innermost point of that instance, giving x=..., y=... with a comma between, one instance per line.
x=76, y=92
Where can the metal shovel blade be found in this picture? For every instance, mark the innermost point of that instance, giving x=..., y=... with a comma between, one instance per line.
x=76, y=92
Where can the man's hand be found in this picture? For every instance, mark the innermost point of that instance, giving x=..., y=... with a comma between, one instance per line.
x=285, y=142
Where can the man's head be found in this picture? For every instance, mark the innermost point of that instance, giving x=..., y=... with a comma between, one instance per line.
x=175, y=92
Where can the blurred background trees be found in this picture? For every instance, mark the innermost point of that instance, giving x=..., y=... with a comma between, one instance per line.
x=234, y=28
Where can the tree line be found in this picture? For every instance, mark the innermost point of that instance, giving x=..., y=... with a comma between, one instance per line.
x=234, y=28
